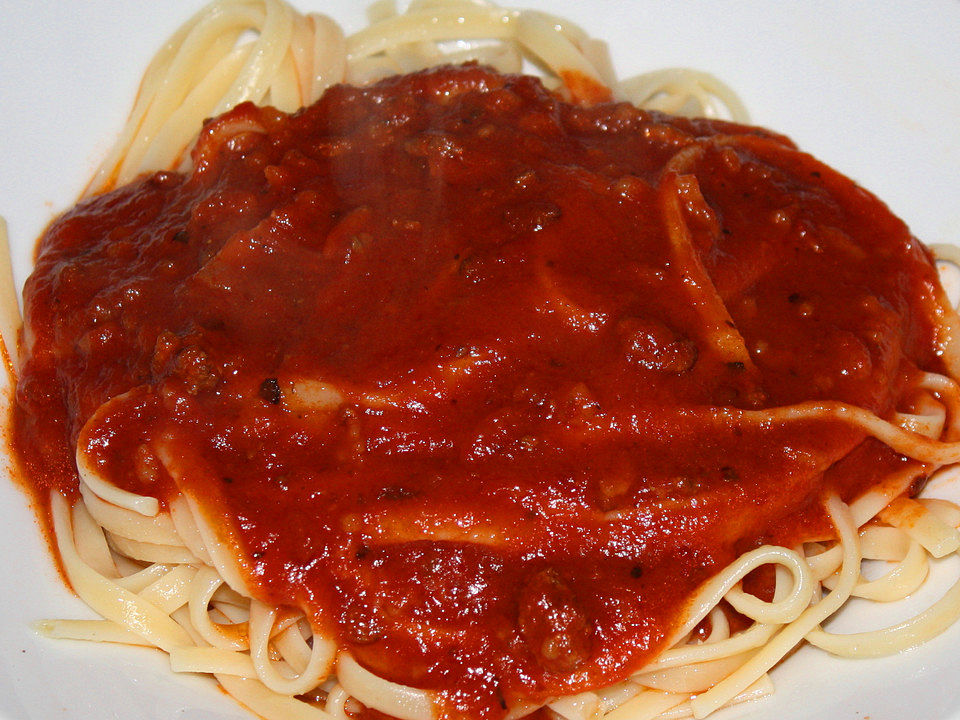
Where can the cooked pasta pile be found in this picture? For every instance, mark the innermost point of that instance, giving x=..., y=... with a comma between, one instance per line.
x=169, y=577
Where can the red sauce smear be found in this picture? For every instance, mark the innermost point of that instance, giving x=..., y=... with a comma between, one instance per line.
x=430, y=350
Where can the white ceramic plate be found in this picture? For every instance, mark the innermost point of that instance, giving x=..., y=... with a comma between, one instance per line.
x=872, y=88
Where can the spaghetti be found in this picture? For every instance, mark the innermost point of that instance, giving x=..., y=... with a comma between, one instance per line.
x=546, y=570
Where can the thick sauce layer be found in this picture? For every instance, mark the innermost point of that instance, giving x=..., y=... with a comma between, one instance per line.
x=445, y=355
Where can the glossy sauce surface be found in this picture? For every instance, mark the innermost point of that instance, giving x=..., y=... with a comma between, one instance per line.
x=449, y=358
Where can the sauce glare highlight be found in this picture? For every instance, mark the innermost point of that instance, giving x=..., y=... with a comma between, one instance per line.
x=465, y=370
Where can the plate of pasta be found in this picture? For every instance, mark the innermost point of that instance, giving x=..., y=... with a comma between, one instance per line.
x=867, y=90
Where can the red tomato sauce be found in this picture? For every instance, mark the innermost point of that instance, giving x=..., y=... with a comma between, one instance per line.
x=431, y=351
